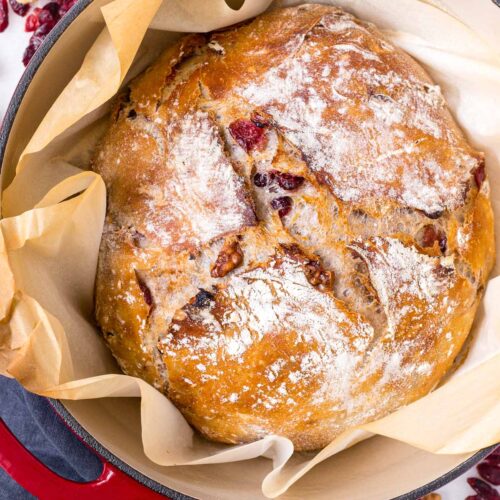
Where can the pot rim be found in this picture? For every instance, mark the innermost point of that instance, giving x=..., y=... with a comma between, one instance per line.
x=75, y=426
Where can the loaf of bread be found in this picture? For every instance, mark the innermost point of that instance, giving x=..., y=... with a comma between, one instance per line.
x=297, y=234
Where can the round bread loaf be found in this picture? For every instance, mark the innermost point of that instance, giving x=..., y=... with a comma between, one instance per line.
x=297, y=234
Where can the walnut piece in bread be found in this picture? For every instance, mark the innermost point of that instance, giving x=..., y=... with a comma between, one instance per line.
x=297, y=235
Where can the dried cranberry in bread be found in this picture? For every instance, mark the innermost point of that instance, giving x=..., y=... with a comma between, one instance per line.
x=297, y=235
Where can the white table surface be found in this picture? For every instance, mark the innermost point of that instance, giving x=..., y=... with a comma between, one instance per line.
x=12, y=44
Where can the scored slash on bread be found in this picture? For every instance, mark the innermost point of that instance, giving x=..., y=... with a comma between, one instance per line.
x=266, y=338
x=297, y=234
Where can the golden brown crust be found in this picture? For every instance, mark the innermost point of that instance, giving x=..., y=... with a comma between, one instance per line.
x=298, y=234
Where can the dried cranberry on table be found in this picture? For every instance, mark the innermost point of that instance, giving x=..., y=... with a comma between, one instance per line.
x=32, y=22
x=4, y=15
x=35, y=42
x=21, y=9
x=490, y=472
x=494, y=458
x=45, y=28
x=41, y=22
x=483, y=489
x=65, y=6
x=49, y=15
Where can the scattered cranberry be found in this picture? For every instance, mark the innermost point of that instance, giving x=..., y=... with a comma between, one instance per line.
x=41, y=22
x=260, y=180
x=53, y=8
x=283, y=205
x=32, y=21
x=49, y=14
x=479, y=175
x=4, y=15
x=289, y=182
x=21, y=9
x=490, y=472
x=34, y=43
x=65, y=6
x=36, y=40
x=489, y=469
x=46, y=16
x=483, y=489
x=44, y=29
x=28, y=53
x=494, y=458
x=247, y=134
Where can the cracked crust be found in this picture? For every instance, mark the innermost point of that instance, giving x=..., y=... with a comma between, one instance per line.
x=298, y=234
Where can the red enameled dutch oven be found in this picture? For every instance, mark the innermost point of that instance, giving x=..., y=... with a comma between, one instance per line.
x=126, y=472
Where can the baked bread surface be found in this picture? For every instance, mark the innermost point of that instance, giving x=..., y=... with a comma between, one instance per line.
x=297, y=234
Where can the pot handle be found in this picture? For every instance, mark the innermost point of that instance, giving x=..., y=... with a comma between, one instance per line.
x=43, y=483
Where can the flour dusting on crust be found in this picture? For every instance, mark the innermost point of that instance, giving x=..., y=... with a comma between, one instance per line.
x=396, y=142
x=206, y=189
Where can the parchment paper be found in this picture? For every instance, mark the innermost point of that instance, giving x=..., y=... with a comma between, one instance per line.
x=53, y=215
